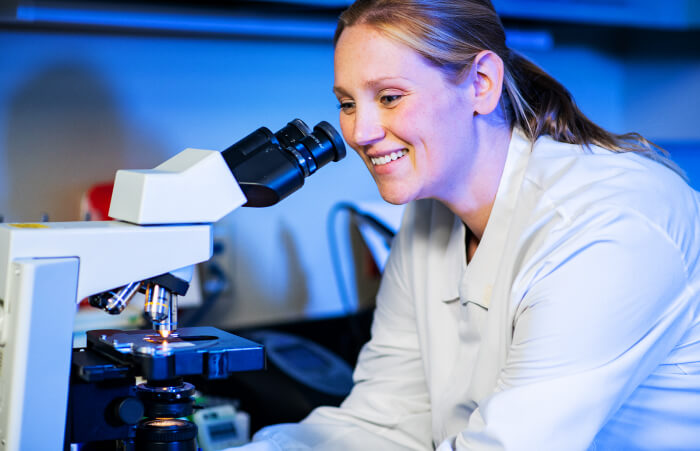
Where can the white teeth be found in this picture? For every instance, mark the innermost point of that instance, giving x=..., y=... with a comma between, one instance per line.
x=378, y=161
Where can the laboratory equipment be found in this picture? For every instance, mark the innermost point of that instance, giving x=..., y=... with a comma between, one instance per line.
x=105, y=405
x=162, y=227
x=221, y=426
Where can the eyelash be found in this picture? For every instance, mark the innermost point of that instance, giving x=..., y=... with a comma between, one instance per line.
x=344, y=106
x=386, y=100
x=389, y=99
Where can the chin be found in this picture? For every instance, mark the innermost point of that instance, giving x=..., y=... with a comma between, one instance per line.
x=396, y=197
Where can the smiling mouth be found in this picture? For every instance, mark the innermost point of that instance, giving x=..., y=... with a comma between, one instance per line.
x=378, y=161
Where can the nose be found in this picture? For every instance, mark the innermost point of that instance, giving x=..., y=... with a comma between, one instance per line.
x=367, y=127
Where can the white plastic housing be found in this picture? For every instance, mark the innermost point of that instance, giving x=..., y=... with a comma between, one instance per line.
x=111, y=253
x=194, y=186
x=44, y=270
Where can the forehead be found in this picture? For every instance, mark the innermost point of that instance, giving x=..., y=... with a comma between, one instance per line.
x=363, y=54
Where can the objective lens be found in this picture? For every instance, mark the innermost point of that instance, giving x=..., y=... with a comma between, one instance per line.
x=161, y=309
x=158, y=301
x=115, y=301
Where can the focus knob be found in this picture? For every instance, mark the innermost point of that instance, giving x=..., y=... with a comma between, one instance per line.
x=129, y=410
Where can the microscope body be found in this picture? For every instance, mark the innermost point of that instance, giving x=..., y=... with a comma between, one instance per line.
x=163, y=225
x=47, y=270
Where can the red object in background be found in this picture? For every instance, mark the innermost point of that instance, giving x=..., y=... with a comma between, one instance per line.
x=95, y=204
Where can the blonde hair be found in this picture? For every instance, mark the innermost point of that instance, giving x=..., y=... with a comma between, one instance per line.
x=450, y=33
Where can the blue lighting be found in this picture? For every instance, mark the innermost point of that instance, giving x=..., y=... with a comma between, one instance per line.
x=201, y=23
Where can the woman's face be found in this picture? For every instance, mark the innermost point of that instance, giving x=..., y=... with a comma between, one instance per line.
x=410, y=125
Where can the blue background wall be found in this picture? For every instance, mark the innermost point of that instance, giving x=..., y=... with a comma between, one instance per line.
x=76, y=106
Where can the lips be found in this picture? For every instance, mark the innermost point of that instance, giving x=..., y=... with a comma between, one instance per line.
x=378, y=161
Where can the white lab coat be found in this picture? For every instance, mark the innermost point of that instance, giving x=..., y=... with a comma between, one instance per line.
x=574, y=326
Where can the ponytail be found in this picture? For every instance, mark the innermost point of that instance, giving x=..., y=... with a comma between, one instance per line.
x=540, y=105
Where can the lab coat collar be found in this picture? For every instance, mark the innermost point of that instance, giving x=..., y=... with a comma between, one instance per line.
x=478, y=277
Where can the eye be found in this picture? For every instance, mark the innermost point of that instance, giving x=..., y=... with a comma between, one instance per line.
x=346, y=106
x=390, y=100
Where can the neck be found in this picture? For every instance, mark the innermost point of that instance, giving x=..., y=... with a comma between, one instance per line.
x=474, y=201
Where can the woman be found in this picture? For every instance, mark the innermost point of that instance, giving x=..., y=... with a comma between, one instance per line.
x=543, y=290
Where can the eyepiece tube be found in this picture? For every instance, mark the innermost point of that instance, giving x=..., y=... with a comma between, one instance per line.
x=270, y=166
x=332, y=147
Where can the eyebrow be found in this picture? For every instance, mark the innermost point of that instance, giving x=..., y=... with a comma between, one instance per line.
x=369, y=83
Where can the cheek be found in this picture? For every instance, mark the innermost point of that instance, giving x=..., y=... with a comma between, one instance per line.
x=413, y=126
x=442, y=123
x=405, y=119
x=414, y=119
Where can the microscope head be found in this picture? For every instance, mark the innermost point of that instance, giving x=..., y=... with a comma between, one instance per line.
x=202, y=186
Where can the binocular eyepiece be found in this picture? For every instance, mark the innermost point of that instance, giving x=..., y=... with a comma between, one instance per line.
x=270, y=166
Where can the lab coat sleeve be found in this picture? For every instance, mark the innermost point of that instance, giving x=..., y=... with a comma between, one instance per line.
x=389, y=406
x=599, y=308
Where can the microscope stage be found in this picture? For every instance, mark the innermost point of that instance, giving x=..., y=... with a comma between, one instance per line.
x=190, y=351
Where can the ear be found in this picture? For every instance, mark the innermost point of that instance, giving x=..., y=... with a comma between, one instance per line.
x=486, y=80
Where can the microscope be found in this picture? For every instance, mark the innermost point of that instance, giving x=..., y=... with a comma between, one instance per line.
x=51, y=395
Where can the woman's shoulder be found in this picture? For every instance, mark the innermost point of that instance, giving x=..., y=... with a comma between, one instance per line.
x=574, y=174
x=579, y=183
